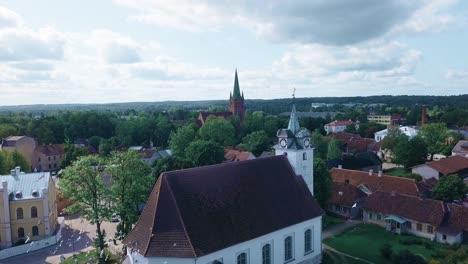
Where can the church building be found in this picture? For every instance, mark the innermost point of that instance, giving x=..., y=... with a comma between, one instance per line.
x=246, y=212
x=236, y=106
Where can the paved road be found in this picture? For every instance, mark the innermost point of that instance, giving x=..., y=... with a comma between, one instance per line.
x=77, y=236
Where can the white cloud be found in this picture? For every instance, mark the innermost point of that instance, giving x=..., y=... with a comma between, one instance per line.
x=9, y=18
x=456, y=74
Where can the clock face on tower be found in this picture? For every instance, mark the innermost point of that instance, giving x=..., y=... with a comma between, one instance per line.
x=307, y=143
x=283, y=143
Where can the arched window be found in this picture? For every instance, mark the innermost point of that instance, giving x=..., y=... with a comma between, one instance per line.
x=19, y=213
x=304, y=156
x=266, y=254
x=242, y=258
x=308, y=241
x=34, y=212
x=20, y=232
x=35, y=231
x=288, y=248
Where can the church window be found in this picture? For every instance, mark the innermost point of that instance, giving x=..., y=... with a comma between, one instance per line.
x=266, y=254
x=288, y=248
x=19, y=213
x=242, y=258
x=308, y=241
x=304, y=156
x=21, y=232
x=35, y=231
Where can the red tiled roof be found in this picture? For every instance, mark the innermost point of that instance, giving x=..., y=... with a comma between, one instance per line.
x=195, y=212
x=458, y=218
x=50, y=150
x=148, y=153
x=449, y=165
x=235, y=155
x=410, y=207
x=384, y=183
x=341, y=123
x=345, y=194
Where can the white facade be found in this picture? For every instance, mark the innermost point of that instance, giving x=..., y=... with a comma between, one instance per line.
x=302, y=161
x=334, y=129
x=253, y=248
x=425, y=171
x=404, y=130
x=449, y=238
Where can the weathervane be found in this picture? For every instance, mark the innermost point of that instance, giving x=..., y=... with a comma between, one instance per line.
x=294, y=95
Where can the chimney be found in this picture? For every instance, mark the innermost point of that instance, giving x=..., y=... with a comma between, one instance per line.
x=371, y=171
x=17, y=170
x=340, y=166
x=423, y=115
x=380, y=173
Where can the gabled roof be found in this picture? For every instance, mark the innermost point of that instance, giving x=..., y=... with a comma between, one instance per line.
x=449, y=165
x=341, y=123
x=345, y=194
x=461, y=147
x=232, y=155
x=458, y=218
x=384, y=183
x=195, y=212
x=410, y=207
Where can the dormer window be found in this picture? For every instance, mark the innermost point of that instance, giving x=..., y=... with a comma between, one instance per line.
x=18, y=195
x=35, y=193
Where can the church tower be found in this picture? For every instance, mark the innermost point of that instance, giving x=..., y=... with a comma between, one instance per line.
x=294, y=142
x=236, y=100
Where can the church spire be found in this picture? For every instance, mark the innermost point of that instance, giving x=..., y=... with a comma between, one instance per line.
x=236, y=93
x=293, y=125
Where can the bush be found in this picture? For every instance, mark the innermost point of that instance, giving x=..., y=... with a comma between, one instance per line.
x=386, y=251
x=406, y=257
x=411, y=240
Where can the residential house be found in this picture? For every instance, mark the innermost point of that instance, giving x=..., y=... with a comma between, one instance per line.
x=354, y=143
x=253, y=211
x=28, y=208
x=241, y=212
x=236, y=106
x=455, y=226
x=363, y=161
x=346, y=200
x=338, y=126
x=233, y=155
x=23, y=144
x=152, y=154
x=461, y=148
x=48, y=157
x=404, y=130
x=435, y=169
x=404, y=214
x=388, y=120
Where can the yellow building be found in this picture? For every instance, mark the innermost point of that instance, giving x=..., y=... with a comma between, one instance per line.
x=28, y=207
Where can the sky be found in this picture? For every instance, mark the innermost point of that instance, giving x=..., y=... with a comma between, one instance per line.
x=88, y=51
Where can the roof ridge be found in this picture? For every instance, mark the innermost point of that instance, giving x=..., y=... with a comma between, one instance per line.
x=383, y=175
x=158, y=189
x=180, y=216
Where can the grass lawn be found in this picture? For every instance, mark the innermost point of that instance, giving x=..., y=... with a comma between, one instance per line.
x=85, y=257
x=400, y=172
x=365, y=240
x=329, y=221
x=330, y=257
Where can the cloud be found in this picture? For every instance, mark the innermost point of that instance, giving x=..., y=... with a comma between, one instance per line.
x=8, y=18
x=456, y=74
x=114, y=47
x=25, y=44
x=33, y=65
x=330, y=22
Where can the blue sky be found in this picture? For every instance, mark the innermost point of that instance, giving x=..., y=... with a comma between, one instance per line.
x=55, y=51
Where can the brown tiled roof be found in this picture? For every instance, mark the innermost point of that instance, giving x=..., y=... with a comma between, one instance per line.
x=340, y=123
x=235, y=155
x=148, y=153
x=194, y=212
x=385, y=183
x=458, y=217
x=345, y=194
x=50, y=150
x=449, y=165
x=410, y=207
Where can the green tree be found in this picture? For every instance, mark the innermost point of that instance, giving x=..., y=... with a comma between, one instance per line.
x=169, y=164
x=105, y=147
x=131, y=184
x=19, y=160
x=83, y=183
x=256, y=142
x=435, y=135
x=320, y=145
x=218, y=130
x=391, y=140
x=202, y=153
x=333, y=150
x=180, y=140
x=163, y=130
x=410, y=152
x=7, y=130
x=322, y=182
x=449, y=188
x=94, y=142
x=72, y=153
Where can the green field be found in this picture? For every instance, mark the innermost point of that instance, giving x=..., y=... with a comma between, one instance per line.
x=365, y=241
x=330, y=257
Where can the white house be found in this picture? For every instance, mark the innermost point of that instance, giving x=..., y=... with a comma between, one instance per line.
x=404, y=130
x=338, y=126
x=246, y=212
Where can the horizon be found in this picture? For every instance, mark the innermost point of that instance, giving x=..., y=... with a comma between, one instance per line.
x=138, y=51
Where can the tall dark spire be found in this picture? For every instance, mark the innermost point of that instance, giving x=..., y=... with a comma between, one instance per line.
x=236, y=94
